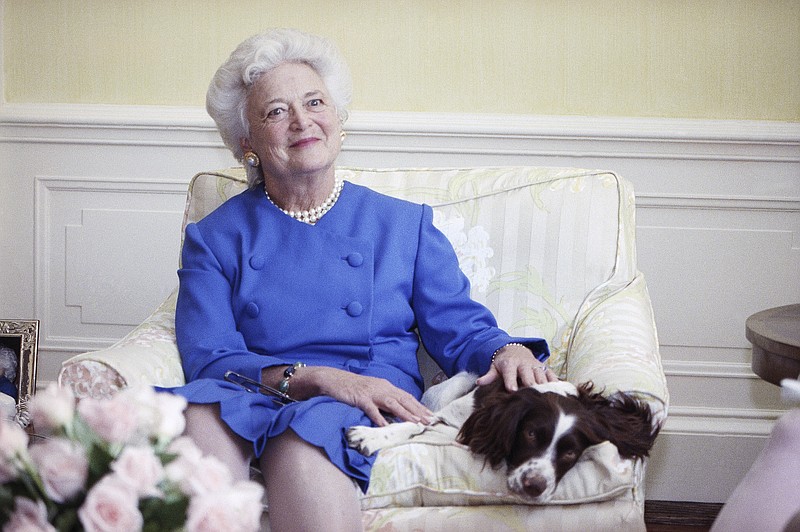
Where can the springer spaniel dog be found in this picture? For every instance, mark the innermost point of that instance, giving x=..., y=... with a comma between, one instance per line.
x=539, y=432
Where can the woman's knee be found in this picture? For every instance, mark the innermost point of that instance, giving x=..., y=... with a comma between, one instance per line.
x=288, y=454
x=203, y=420
x=291, y=451
x=213, y=436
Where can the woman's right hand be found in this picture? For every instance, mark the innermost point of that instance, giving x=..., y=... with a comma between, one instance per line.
x=373, y=395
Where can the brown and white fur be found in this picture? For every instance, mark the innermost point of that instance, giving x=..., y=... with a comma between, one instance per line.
x=539, y=432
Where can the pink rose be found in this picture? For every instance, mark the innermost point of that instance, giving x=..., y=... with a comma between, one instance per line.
x=13, y=439
x=160, y=414
x=171, y=422
x=63, y=466
x=195, y=477
x=141, y=469
x=115, y=420
x=208, y=513
x=13, y=450
x=110, y=506
x=28, y=516
x=186, y=448
x=236, y=509
x=188, y=456
x=52, y=409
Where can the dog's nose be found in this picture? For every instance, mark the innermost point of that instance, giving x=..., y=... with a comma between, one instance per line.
x=534, y=485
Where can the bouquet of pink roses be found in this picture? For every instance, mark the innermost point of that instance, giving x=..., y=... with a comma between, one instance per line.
x=114, y=465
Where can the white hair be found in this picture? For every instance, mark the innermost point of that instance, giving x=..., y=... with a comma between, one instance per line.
x=227, y=95
x=8, y=363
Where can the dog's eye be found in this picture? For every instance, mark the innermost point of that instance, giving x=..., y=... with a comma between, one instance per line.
x=530, y=435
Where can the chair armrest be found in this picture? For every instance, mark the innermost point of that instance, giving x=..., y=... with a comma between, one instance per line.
x=148, y=355
x=615, y=345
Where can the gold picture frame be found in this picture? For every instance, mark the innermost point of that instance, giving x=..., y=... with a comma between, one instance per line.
x=21, y=337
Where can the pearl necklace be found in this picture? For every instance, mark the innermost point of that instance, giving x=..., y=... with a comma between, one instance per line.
x=312, y=216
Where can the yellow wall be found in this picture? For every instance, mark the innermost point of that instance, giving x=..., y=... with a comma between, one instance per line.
x=725, y=59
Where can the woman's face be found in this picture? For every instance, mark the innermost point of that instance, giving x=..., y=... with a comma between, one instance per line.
x=294, y=127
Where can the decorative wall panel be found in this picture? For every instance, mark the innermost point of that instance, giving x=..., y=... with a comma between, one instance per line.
x=107, y=253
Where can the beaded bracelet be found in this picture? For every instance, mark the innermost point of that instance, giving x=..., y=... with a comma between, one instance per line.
x=283, y=386
x=501, y=348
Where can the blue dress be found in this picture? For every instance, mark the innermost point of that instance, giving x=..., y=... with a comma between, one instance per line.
x=259, y=289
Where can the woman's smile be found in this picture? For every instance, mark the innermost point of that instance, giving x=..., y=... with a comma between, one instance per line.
x=302, y=143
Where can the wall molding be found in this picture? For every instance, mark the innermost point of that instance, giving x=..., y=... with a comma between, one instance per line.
x=717, y=203
x=717, y=370
x=705, y=421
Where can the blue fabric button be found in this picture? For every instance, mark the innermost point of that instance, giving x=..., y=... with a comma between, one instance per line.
x=355, y=259
x=252, y=310
x=256, y=262
x=354, y=309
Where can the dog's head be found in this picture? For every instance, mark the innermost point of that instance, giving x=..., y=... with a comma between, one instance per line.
x=540, y=433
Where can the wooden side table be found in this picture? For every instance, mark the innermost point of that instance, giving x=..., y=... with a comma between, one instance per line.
x=775, y=335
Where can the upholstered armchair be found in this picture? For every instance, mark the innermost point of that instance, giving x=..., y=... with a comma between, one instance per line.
x=551, y=251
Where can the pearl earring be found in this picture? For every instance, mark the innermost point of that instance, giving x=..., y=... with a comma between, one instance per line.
x=251, y=159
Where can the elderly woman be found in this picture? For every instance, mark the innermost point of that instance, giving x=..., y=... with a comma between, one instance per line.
x=319, y=288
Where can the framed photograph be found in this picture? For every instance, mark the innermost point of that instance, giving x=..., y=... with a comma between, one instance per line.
x=19, y=345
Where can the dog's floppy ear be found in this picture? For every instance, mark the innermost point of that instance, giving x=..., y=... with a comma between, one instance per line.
x=491, y=429
x=626, y=421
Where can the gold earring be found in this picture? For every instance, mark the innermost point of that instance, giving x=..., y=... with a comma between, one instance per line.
x=251, y=159
x=344, y=135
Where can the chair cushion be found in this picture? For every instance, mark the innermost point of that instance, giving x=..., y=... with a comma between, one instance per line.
x=619, y=515
x=433, y=470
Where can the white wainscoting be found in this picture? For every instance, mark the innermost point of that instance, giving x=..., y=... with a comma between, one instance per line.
x=91, y=208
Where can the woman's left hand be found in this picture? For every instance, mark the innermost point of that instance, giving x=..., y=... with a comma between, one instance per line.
x=517, y=366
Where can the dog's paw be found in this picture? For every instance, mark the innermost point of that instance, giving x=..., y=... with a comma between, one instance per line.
x=358, y=438
x=369, y=440
x=366, y=440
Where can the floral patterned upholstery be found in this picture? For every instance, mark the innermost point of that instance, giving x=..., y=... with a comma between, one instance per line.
x=551, y=251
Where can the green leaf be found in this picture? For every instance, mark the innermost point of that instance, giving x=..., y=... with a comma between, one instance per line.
x=164, y=514
x=6, y=502
x=82, y=434
x=166, y=457
x=99, y=461
x=67, y=521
